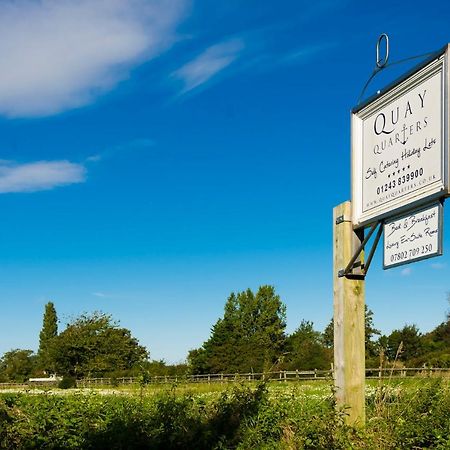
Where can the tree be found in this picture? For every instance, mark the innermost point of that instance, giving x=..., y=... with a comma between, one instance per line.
x=369, y=332
x=93, y=345
x=17, y=365
x=48, y=332
x=249, y=337
x=415, y=349
x=405, y=343
x=442, y=333
x=197, y=361
x=328, y=334
x=305, y=349
x=436, y=346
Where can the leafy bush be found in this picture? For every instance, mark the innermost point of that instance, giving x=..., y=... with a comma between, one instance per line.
x=90, y=421
x=288, y=416
x=67, y=383
x=414, y=418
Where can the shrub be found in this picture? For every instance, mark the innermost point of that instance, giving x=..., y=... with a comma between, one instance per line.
x=288, y=416
x=67, y=383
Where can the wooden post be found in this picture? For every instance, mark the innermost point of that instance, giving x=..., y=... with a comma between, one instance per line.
x=349, y=349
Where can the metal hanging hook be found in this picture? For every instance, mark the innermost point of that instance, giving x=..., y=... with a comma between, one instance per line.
x=382, y=62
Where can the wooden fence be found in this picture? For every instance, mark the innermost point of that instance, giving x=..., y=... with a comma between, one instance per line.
x=280, y=376
x=14, y=386
x=210, y=378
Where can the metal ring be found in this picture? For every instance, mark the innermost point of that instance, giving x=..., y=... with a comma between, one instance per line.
x=382, y=62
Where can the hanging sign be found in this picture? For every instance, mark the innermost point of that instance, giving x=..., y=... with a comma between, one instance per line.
x=413, y=236
x=399, y=145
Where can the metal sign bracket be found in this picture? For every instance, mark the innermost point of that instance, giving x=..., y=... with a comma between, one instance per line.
x=381, y=62
x=353, y=264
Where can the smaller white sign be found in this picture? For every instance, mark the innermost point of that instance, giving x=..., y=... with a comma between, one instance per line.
x=412, y=237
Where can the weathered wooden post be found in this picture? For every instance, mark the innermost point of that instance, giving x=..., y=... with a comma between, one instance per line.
x=349, y=350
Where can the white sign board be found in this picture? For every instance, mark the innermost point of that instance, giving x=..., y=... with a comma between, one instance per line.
x=399, y=148
x=413, y=237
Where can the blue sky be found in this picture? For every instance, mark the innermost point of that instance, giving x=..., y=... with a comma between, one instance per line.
x=158, y=155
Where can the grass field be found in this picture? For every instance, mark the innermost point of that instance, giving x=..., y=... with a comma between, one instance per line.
x=401, y=414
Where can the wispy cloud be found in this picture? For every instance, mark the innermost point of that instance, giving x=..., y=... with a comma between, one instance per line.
x=437, y=266
x=39, y=176
x=406, y=271
x=62, y=54
x=305, y=53
x=135, y=144
x=100, y=294
x=208, y=64
x=251, y=53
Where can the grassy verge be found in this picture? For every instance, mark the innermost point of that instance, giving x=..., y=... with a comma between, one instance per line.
x=400, y=415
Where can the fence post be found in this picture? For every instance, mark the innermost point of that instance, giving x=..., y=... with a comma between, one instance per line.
x=349, y=351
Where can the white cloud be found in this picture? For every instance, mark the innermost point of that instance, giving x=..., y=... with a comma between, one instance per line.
x=406, y=271
x=99, y=294
x=208, y=64
x=438, y=265
x=61, y=54
x=39, y=176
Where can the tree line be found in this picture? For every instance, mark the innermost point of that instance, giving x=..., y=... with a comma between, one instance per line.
x=250, y=337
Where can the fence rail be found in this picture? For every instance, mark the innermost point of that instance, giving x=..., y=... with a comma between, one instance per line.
x=13, y=386
x=211, y=378
x=280, y=376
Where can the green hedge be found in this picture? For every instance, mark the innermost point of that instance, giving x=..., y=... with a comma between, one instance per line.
x=238, y=418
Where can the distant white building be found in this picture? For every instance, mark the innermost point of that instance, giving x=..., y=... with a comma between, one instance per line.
x=51, y=379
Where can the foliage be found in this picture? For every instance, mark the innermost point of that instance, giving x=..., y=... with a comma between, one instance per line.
x=166, y=421
x=328, y=334
x=93, y=345
x=161, y=368
x=17, y=365
x=197, y=361
x=305, y=349
x=249, y=338
x=283, y=416
x=48, y=333
x=67, y=383
x=414, y=349
x=369, y=332
x=404, y=344
x=436, y=346
x=408, y=418
x=441, y=334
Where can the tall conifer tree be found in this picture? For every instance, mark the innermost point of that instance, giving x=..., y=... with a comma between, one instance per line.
x=249, y=338
x=48, y=332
